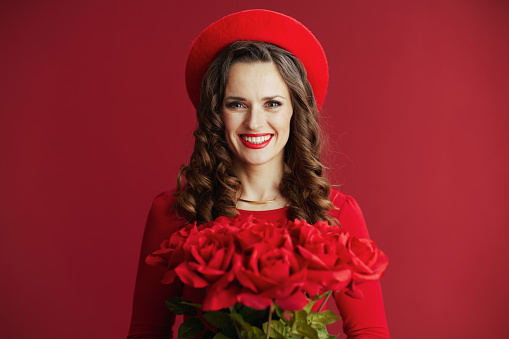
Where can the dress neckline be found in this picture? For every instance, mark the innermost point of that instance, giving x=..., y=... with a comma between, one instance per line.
x=271, y=215
x=266, y=211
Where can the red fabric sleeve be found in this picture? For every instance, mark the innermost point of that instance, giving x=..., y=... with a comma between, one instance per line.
x=362, y=318
x=150, y=317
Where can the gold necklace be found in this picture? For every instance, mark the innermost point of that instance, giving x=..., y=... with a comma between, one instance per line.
x=259, y=202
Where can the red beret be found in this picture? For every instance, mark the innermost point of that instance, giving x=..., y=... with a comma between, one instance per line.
x=258, y=25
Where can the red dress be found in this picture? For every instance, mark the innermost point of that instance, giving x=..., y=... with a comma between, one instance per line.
x=363, y=318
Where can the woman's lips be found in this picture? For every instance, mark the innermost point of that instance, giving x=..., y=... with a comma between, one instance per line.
x=255, y=141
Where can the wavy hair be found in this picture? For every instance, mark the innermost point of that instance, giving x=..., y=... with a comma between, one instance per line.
x=211, y=187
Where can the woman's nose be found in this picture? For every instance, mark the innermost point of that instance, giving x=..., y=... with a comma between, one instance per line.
x=254, y=119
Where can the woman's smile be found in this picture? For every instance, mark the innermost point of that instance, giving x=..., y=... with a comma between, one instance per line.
x=255, y=141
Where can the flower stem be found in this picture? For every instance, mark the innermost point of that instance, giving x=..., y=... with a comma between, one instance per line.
x=270, y=318
x=235, y=323
x=325, y=301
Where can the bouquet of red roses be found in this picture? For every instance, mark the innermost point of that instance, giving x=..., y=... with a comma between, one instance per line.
x=247, y=264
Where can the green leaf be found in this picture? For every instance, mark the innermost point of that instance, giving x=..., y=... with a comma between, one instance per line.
x=307, y=331
x=180, y=306
x=323, y=318
x=324, y=334
x=283, y=315
x=279, y=311
x=236, y=317
x=218, y=319
x=191, y=304
x=308, y=307
x=221, y=336
x=239, y=320
x=301, y=316
x=278, y=329
x=248, y=328
x=252, y=316
x=258, y=333
x=190, y=328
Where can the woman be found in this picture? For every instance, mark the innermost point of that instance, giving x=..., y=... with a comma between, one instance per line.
x=257, y=79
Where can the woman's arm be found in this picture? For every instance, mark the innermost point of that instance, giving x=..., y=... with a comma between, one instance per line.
x=362, y=318
x=150, y=317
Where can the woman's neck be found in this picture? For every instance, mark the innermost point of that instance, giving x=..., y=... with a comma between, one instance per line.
x=260, y=183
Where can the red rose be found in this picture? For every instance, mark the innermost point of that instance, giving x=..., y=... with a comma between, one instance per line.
x=367, y=261
x=324, y=248
x=227, y=223
x=253, y=233
x=225, y=291
x=271, y=274
x=171, y=252
x=208, y=255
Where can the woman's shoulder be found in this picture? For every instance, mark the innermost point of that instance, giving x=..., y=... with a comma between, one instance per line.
x=341, y=201
x=349, y=214
x=164, y=199
x=162, y=221
x=162, y=209
x=337, y=198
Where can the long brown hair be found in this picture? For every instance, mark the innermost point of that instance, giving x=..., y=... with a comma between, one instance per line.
x=211, y=188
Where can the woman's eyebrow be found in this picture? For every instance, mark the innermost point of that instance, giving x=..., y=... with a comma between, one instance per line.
x=272, y=97
x=235, y=98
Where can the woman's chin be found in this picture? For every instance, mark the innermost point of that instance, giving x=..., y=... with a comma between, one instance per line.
x=257, y=161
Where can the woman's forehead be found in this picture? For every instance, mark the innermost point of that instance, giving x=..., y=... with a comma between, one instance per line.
x=260, y=80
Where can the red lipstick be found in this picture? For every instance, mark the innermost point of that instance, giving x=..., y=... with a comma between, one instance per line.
x=255, y=146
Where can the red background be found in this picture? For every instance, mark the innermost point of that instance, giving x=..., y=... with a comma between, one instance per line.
x=95, y=121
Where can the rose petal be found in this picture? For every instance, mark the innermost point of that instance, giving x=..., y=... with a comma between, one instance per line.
x=258, y=302
x=197, y=256
x=229, y=255
x=367, y=261
x=295, y=302
x=219, y=298
x=312, y=288
x=375, y=272
x=169, y=277
x=217, y=259
x=209, y=274
x=278, y=271
x=312, y=257
x=176, y=258
x=261, y=283
x=326, y=278
x=247, y=239
x=189, y=277
x=245, y=280
x=156, y=261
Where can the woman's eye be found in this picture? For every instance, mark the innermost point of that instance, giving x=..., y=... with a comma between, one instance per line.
x=273, y=104
x=234, y=104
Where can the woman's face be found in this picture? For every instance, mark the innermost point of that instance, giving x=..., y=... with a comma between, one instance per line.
x=256, y=113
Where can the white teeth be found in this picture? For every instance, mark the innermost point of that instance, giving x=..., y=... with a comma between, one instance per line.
x=256, y=140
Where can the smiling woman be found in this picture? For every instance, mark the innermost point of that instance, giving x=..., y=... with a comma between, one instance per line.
x=257, y=79
x=252, y=88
